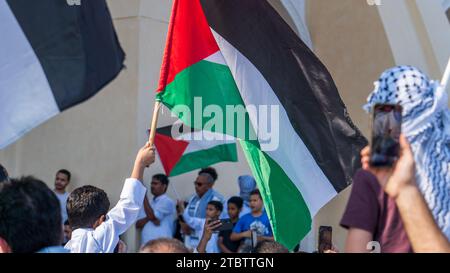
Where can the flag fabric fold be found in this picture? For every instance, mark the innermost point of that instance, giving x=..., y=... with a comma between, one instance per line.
x=52, y=57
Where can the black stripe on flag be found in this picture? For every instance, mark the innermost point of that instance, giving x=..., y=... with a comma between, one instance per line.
x=76, y=45
x=300, y=81
x=167, y=130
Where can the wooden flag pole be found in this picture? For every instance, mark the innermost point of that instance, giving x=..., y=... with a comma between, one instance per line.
x=446, y=77
x=151, y=138
x=177, y=196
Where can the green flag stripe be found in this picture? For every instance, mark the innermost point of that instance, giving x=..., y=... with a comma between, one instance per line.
x=214, y=83
x=204, y=158
x=290, y=218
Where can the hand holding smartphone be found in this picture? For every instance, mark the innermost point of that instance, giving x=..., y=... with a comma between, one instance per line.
x=226, y=225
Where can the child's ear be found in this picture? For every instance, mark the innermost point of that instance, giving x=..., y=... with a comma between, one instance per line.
x=99, y=221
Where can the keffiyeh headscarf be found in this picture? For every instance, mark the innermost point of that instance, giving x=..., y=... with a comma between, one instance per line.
x=426, y=125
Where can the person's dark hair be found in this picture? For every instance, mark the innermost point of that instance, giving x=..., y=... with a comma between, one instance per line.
x=161, y=178
x=4, y=177
x=66, y=172
x=66, y=223
x=270, y=247
x=30, y=215
x=211, y=171
x=86, y=205
x=164, y=245
x=217, y=204
x=238, y=201
x=256, y=192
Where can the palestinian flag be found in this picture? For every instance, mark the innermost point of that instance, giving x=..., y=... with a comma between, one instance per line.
x=232, y=52
x=187, y=150
x=52, y=56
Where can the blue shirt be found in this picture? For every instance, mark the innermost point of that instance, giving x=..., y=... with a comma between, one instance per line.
x=261, y=224
x=53, y=249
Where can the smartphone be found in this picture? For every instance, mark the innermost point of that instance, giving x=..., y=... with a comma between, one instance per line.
x=226, y=225
x=325, y=238
x=386, y=129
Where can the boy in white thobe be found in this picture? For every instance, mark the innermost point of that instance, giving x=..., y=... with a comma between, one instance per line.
x=93, y=232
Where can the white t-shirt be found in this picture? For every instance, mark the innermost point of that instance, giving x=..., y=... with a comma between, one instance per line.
x=62, y=202
x=164, y=209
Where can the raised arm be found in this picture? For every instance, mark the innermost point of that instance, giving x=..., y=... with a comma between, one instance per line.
x=124, y=214
x=207, y=234
x=399, y=183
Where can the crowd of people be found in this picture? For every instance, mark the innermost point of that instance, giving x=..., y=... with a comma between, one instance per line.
x=387, y=204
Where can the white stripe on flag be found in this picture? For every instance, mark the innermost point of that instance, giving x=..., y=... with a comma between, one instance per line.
x=292, y=154
x=207, y=140
x=26, y=99
x=216, y=58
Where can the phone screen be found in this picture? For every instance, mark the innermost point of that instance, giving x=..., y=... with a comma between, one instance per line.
x=325, y=238
x=386, y=129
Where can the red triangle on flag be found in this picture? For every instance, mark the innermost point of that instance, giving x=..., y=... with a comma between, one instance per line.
x=189, y=40
x=170, y=151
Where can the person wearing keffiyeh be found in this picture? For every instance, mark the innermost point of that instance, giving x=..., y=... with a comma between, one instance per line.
x=426, y=125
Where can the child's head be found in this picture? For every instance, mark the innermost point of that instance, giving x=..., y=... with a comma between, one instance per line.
x=256, y=203
x=214, y=209
x=67, y=231
x=87, y=207
x=234, y=206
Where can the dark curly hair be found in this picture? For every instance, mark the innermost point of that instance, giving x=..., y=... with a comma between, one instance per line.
x=86, y=205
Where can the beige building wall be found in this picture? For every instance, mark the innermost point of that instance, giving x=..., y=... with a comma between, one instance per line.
x=98, y=139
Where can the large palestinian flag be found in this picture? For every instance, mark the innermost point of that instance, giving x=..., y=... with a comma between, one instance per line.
x=52, y=56
x=232, y=52
x=183, y=149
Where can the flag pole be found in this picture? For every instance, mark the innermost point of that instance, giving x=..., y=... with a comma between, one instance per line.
x=151, y=138
x=175, y=191
x=446, y=77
